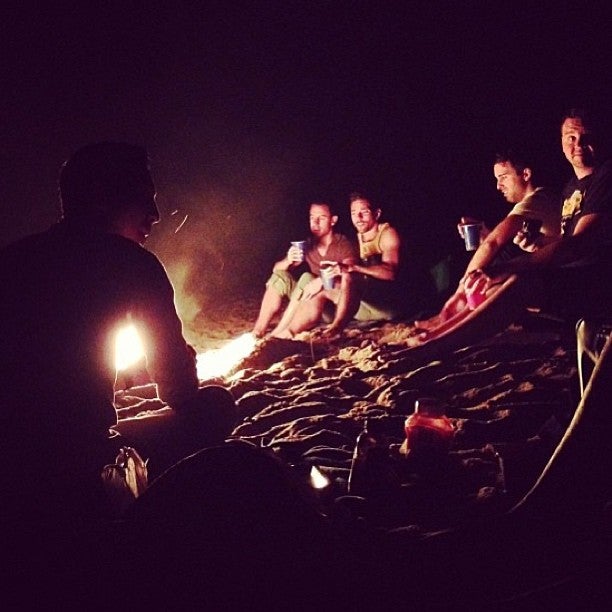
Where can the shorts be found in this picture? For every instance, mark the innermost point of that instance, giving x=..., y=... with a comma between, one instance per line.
x=379, y=301
x=284, y=283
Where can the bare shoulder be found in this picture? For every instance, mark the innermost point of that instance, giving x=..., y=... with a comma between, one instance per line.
x=389, y=237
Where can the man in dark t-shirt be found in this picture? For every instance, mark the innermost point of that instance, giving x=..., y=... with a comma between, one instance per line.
x=573, y=270
x=66, y=291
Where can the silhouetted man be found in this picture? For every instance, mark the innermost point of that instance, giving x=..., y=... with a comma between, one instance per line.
x=66, y=292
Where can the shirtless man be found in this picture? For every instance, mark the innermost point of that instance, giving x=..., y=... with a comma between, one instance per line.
x=361, y=290
x=325, y=244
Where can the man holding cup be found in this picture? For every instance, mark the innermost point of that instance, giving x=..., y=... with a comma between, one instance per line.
x=564, y=276
x=362, y=290
x=532, y=205
x=307, y=257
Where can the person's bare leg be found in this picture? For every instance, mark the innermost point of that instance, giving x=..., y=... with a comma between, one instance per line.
x=430, y=333
x=348, y=303
x=270, y=305
x=453, y=306
x=500, y=309
x=286, y=318
x=307, y=314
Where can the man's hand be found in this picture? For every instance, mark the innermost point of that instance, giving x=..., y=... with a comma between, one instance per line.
x=484, y=230
x=453, y=305
x=295, y=255
x=481, y=281
x=526, y=241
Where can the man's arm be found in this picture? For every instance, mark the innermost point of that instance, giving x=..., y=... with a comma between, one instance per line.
x=589, y=233
x=171, y=362
x=502, y=234
x=291, y=259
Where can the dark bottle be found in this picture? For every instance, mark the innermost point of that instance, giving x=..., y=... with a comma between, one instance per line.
x=531, y=228
x=359, y=476
x=428, y=429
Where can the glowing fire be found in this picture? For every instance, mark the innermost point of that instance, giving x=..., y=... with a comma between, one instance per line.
x=218, y=362
x=128, y=348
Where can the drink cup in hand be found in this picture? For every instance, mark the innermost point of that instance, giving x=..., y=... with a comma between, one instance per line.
x=327, y=274
x=296, y=251
x=471, y=235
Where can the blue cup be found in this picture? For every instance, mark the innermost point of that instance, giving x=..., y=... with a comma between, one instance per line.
x=471, y=235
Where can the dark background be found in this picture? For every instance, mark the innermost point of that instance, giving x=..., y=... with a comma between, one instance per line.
x=250, y=111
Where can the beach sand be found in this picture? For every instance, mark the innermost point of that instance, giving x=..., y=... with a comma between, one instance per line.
x=510, y=399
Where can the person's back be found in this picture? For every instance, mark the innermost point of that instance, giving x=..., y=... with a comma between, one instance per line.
x=67, y=291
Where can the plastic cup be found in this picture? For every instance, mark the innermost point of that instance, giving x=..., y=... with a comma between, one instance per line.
x=301, y=245
x=475, y=298
x=471, y=235
x=327, y=276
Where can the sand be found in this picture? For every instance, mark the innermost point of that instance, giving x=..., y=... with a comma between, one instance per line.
x=510, y=399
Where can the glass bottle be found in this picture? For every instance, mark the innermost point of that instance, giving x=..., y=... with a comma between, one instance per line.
x=359, y=474
x=428, y=429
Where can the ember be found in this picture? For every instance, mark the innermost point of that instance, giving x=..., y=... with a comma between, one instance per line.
x=219, y=361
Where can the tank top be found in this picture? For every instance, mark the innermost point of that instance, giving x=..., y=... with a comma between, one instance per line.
x=370, y=251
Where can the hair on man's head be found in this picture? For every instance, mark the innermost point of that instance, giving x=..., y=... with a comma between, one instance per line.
x=519, y=160
x=99, y=178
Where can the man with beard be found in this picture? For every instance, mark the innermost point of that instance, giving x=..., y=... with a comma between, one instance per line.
x=530, y=201
x=363, y=290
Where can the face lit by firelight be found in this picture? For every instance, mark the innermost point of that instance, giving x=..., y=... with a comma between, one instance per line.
x=364, y=218
x=136, y=219
x=512, y=184
x=577, y=144
x=321, y=220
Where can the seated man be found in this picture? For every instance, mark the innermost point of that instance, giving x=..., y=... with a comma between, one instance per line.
x=515, y=180
x=565, y=277
x=362, y=290
x=325, y=244
x=66, y=292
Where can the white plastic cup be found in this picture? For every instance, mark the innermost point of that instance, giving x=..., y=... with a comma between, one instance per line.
x=301, y=246
x=327, y=277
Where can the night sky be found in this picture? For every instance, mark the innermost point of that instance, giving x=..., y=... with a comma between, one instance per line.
x=249, y=113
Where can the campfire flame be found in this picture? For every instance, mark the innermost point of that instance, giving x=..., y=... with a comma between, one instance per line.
x=218, y=362
x=128, y=348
